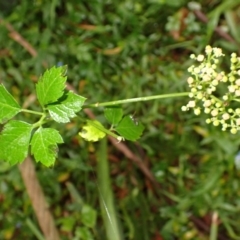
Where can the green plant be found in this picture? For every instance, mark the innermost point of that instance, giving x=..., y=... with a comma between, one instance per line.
x=206, y=79
x=60, y=105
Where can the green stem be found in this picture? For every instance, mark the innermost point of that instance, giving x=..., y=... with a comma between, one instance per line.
x=33, y=112
x=140, y=99
x=106, y=194
x=40, y=122
x=217, y=99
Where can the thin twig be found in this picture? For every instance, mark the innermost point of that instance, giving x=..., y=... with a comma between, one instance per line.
x=37, y=197
x=131, y=156
x=19, y=39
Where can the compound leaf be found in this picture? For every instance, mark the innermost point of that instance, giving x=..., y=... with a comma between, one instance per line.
x=44, y=145
x=51, y=85
x=61, y=112
x=113, y=114
x=92, y=131
x=129, y=128
x=14, y=141
x=8, y=105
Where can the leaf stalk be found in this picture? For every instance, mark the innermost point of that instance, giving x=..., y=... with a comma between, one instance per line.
x=139, y=99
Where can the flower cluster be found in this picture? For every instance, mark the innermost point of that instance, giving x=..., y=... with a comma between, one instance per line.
x=203, y=83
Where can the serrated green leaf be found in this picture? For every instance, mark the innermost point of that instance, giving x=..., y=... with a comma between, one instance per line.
x=14, y=141
x=129, y=128
x=44, y=145
x=51, y=85
x=8, y=105
x=92, y=131
x=113, y=114
x=62, y=111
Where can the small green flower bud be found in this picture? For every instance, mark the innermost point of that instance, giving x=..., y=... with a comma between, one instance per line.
x=215, y=82
x=216, y=123
x=207, y=110
x=230, y=110
x=200, y=58
x=233, y=130
x=193, y=90
x=192, y=56
x=208, y=120
x=231, y=78
x=199, y=95
x=207, y=103
x=225, y=125
x=218, y=52
x=237, y=93
x=190, y=80
x=225, y=116
x=224, y=79
x=233, y=59
x=238, y=121
x=208, y=50
x=214, y=66
x=197, y=111
x=206, y=78
x=184, y=108
x=237, y=110
x=209, y=91
x=231, y=89
x=214, y=112
x=225, y=97
x=213, y=88
x=218, y=105
x=191, y=104
x=237, y=82
x=196, y=70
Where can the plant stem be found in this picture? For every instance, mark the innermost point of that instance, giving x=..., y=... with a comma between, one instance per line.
x=140, y=99
x=33, y=112
x=40, y=122
x=106, y=195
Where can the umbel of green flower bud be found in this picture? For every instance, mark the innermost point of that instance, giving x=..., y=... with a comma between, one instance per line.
x=206, y=77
